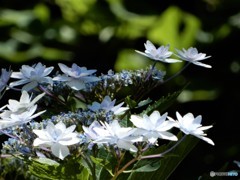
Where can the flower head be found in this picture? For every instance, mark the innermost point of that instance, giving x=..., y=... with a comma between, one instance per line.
x=191, y=125
x=19, y=112
x=23, y=104
x=9, y=119
x=154, y=126
x=76, y=77
x=32, y=76
x=193, y=56
x=58, y=137
x=108, y=105
x=160, y=54
x=114, y=134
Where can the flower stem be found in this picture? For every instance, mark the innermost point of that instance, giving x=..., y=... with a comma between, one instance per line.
x=167, y=151
x=124, y=167
x=9, y=135
x=50, y=94
x=179, y=72
x=150, y=71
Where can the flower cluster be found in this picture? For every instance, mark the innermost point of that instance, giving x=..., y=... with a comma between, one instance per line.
x=76, y=115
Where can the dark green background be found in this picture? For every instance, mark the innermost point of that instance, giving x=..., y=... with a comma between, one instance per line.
x=103, y=35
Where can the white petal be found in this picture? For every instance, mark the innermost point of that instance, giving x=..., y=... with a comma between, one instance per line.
x=59, y=150
x=70, y=129
x=30, y=86
x=24, y=97
x=170, y=60
x=155, y=117
x=76, y=84
x=20, y=82
x=137, y=121
x=39, y=141
x=208, y=140
x=64, y=68
x=47, y=71
x=37, y=98
x=72, y=141
x=167, y=135
x=17, y=75
x=202, y=64
x=205, y=127
x=126, y=145
x=60, y=125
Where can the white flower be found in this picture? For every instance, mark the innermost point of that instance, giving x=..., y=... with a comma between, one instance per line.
x=5, y=76
x=160, y=54
x=108, y=105
x=32, y=76
x=193, y=56
x=154, y=126
x=58, y=137
x=76, y=77
x=114, y=134
x=23, y=104
x=89, y=131
x=9, y=119
x=190, y=125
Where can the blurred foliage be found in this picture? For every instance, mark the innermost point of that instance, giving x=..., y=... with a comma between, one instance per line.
x=103, y=34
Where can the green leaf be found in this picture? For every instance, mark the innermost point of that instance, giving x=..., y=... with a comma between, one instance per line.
x=103, y=166
x=163, y=103
x=151, y=165
x=169, y=163
x=144, y=102
x=48, y=169
x=131, y=103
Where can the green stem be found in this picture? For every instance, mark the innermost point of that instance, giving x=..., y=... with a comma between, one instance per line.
x=124, y=167
x=167, y=151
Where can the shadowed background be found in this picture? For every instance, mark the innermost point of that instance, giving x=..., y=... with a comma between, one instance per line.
x=103, y=35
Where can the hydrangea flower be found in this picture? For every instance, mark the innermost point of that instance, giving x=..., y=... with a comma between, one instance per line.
x=160, y=54
x=153, y=127
x=114, y=134
x=58, y=137
x=188, y=124
x=76, y=77
x=23, y=104
x=193, y=56
x=32, y=76
x=10, y=119
x=5, y=76
x=19, y=112
x=108, y=105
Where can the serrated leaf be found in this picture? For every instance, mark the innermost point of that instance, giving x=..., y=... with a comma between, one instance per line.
x=47, y=161
x=149, y=167
x=163, y=103
x=68, y=170
x=144, y=102
x=169, y=163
